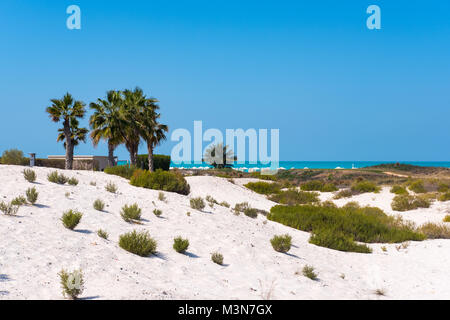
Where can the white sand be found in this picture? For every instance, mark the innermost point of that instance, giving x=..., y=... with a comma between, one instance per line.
x=34, y=247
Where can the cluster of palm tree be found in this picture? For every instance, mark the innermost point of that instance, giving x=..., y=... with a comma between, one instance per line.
x=123, y=117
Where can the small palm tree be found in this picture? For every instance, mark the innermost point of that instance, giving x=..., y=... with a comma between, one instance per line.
x=219, y=156
x=151, y=131
x=68, y=111
x=106, y=122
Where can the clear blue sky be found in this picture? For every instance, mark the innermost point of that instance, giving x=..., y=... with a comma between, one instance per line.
x=336, y=90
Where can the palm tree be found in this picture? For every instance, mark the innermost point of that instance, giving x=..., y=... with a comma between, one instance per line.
x=68, y=110
x=78, y=134
x=133, y=103
x=151, y=130
x=219, y=156
x=106, y=121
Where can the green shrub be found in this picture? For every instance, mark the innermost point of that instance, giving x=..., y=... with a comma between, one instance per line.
x=224, y=204
x=131, y=213
x=258, y=175
x=445, y=196
x=71, y=218
x=55, y=177
x=29, y=175
x=447, y=218
x=399, y=190
x=435, y=231
x=240, y=207
x=180, y=245
x=157, y=212
x=19, y=201
x=308, y=271
x=345, y=193
x=211, y=201
x=336, y=227
x=409, y=202
x=317, y=185
x=139, y=243
x=417, y=186
x=161, y=180
x=111, y=187
x=72, y=283
x=9, y=209
x=281, y=243
x=72, y=181
x=32, y=195
x=121, y=171
x=99, y=205
x=159, y=162
x=14, y=157
x=365, y=186
x=293, y=197
x=264, y=187
x=197, y=203
x=217, y=257
x=102, y=234
x=251, y=212
x=442, y=187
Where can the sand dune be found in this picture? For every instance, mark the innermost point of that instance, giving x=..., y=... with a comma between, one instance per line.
x=34, y=247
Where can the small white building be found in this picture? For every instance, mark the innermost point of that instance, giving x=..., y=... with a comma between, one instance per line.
x=85, y=162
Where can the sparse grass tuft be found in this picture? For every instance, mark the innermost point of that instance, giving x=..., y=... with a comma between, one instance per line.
x=447, y=218
x=71, y=218
x=217, y=257
x=99, y=205
x=157, y=212
x=29, y=175
x=32, y=195
x=161, y=196
x=281, y=243
x=445, y=196
x=211, y=201
x=72, y=283
x=111, y=187
x=409, y=202
x=345, y=193
x=73, y=181
x=139, y=243
x=93, y=183
x=380, y=292
x=224, y=204
x=9, y=209
x=399, y=190
x=180, y=245
x=197, y=203
x=308, y=271
x=131, y=213
x=435, y=231
x=19, y=201
x=102, y=234
x=56, y=177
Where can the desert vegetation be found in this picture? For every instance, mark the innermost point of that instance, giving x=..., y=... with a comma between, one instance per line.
x=29, y=175
x=99, y=205
x=217, y=258
x=293, y=197
x=160, y=180
x=72, y=283
x=131, y=213
x=180, y=245
x=139, y=243
x=409, y=202
x=197, y=203
x=71, y=218
x=281, y=243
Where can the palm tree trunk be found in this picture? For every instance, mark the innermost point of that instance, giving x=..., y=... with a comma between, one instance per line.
x=150, y=157
x=69, y=146
x=111, y=148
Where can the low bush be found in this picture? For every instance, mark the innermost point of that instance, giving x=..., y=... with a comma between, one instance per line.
x=99, y=205
x=111, y=187
x=365, y=186
x=161, y=180
x=264, y=187
x=442, y=187
x=211, y=201
x=139, y=243
x=72, y=283
x=281, y=243
x=445, y=196
x=251, y=212
x=13, y=157
x=71, y=218
x=435, y=231
x=317, y=185
x=345, y=193
x=19, y=201
x=417, y=186
x=157, y=212
x=447, y=218
x=197, y=203
x=409, y=202
x=217, y=257
x=32, y=195
x=240, y=207
x=9, y=209
x=72, y=181
x=56, y=177
x=399, y=190
x=121, y=171
x=258, y=175
x=180, y=245
x=29, y=175
x=102, y=234
x=293, y=197
x=308, y=271
x=224, y=204
x=339, y=228
x=159, y=162
x=131, y=213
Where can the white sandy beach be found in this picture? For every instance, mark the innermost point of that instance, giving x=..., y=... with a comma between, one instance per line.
x=34, y=247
